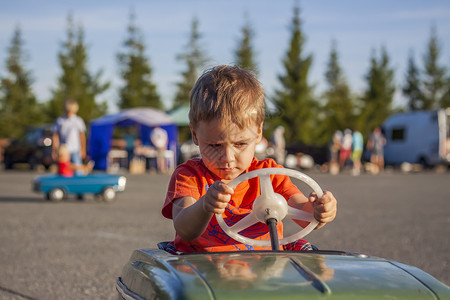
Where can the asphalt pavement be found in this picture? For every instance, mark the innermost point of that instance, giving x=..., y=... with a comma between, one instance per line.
x=76, y=249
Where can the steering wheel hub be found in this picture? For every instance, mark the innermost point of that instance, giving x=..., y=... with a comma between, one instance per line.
x=274, y=207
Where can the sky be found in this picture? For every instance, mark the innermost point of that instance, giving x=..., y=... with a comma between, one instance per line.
x=358, y=27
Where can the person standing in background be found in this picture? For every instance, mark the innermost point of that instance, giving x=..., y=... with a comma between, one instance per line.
x=279, y=145
x=69, y=130
x=346, y=148
x=131, y=139
x=160, y=140
x=335, y=147
x=376, y=144
x=358, y=145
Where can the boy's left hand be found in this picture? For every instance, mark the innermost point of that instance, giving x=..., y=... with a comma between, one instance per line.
x=325, y=207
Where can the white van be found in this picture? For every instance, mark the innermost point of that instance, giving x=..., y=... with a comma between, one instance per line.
x=418, y=137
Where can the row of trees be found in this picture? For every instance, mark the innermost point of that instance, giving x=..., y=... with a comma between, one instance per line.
x=307, y=117
x=313, y=119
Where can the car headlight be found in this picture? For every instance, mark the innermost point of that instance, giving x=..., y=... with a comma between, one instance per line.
x=47, y=142
x=122, y=182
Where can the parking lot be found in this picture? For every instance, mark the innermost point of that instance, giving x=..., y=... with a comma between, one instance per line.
x=76, y=249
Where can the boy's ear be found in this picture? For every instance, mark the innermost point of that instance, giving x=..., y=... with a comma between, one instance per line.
x=259, y=136
x=194, y=135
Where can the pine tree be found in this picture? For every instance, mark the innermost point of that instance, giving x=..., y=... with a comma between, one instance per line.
x=445, y=101
x=244, y=54
x=195, y=59
x=138, y=90
x=412, y=88
x=339, y=104
x=294, y=103
x=378, y=97
x=76, y=82
x=434, y=75
x=18, y=105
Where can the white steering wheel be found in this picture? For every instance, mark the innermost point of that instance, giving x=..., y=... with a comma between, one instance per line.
x=270, y=205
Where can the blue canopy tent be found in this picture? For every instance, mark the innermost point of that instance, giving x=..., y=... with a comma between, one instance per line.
x=101, y=131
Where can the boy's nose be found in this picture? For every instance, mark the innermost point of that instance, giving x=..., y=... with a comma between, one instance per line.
x=227, y=154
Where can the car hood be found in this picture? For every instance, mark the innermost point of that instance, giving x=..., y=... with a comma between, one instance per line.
x=152, y=273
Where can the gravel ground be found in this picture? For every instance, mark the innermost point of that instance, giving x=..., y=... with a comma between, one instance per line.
x=76, y=249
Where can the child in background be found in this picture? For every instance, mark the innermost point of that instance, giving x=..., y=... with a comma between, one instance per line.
x=226, y=121
x=66, y=168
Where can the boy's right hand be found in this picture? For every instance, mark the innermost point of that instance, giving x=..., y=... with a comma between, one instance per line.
x=217, y=197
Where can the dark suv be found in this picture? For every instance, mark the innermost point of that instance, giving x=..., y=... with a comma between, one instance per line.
x=34, y=148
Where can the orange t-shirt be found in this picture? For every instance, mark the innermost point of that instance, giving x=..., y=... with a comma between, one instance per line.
x=192, y=179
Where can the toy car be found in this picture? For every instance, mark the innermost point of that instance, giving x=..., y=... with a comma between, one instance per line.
x=157, y=274
x=56, y=187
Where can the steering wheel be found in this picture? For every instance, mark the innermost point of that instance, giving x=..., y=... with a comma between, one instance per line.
x=270, y=205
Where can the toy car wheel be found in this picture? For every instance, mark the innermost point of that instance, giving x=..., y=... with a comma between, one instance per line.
x=109, y=194
x=56, y=194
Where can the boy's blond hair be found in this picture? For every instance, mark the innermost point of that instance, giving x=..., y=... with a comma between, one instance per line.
x=227, y=93
x=71, y=106
x=63, y=150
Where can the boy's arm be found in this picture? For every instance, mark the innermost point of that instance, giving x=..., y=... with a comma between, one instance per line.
x=189, y=219
x=324, y=208
x=299, y=201
x=191, y=216
x=75, y=167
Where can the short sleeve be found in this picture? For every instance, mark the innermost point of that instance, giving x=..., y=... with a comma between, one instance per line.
x=81, y=125
x=56, y=126
x=282, y=184
x=183, y=183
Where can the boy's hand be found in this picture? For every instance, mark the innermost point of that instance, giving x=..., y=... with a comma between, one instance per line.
x=324, y=208
x=217, y=197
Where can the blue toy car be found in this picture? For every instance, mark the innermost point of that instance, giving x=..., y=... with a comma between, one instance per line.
x=56, y=187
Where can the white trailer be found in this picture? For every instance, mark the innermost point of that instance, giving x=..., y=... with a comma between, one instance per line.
x=418, y=137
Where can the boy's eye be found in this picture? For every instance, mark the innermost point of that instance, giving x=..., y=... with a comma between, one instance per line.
x=240, y=145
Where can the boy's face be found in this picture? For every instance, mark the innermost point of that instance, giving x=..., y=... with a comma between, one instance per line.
x=226, y=150
x=65, y=156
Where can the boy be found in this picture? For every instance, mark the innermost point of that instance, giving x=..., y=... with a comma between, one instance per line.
x=66, y=168
x=226, y=121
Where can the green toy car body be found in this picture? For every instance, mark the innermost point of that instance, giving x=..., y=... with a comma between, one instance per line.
x=158, y=274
